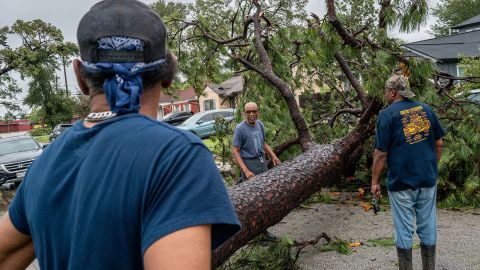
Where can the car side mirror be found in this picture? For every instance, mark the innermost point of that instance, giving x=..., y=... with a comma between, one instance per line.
x=199, y=122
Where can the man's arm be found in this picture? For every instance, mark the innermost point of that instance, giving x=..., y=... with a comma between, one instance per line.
x=439, y=148
x=379, y=159
x=238, y=159
x=189, y=248
x=16, y=248
x=272, y=155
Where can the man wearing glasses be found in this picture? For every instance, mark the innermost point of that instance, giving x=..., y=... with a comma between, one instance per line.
x=249, y=145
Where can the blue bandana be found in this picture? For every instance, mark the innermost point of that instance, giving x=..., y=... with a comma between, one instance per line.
x=123, y=91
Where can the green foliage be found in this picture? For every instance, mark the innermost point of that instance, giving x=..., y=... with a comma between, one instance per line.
x=411, y=14
x=459, y=199
x=42, y=139
x=41, y=131
x=452, y=12
x=81, y=106
x=56, y=106
x=260, y=254
x=459, y=168
x=407, y=15
x=305, y=60
x=471, y=67
x=316, y=198
x=41, y=52
x=209, y=143
x=339, y=245
x=221, y=146
x=382, y=242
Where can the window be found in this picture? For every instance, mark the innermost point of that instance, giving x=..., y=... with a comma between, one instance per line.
x=461, y=70
x=223, y=114
x=209, y=105
x=206, y=118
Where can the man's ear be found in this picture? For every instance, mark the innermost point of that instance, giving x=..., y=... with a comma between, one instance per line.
x=166, y=84
x=80, y=80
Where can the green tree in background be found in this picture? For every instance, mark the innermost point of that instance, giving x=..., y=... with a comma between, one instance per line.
x=452, y=12
x=41, y=53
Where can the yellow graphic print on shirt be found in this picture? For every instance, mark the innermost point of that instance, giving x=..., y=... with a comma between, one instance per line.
x=416, y=126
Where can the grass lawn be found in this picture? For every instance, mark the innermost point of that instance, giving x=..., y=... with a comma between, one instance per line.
x=42, y=139
x=209, y=143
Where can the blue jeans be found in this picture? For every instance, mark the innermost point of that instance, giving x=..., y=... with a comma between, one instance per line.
x=409, y=204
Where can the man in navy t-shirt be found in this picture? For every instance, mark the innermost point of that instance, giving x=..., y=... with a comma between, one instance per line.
x=120, y=190
x=409, y=139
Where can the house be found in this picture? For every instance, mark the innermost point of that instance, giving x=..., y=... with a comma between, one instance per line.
x=221, y=96
x=15, y=126
x=446, y=51
x=184, y=100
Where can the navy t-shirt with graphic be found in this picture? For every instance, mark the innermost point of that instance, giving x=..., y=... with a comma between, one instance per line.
x=98, y=197
x=407, y=130
x=250, y=139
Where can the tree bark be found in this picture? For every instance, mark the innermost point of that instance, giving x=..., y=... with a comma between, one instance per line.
x=267, y=198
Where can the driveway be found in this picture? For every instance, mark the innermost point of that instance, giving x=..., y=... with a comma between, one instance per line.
x=458, y=238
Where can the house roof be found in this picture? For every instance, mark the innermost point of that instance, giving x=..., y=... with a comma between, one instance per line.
x=228, y=87
x=449, y=47
x=472, y=21
x=181, y=95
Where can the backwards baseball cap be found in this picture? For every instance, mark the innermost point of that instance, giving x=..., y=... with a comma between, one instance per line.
x=399, y=83
x=122, y=18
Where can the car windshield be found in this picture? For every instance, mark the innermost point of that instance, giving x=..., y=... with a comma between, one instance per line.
x=168, y=115
x=474, y=97
x=20, y=145
x=61, y=128
x=192, y=120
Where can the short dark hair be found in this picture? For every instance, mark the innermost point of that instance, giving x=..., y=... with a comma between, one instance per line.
x=164, y=72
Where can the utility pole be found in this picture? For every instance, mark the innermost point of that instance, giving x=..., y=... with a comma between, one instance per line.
x=65, y=76
x=56, y=82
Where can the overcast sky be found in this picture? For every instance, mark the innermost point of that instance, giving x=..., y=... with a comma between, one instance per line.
x=65, y=14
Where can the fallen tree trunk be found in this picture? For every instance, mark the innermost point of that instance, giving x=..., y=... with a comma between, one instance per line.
x=267, y=198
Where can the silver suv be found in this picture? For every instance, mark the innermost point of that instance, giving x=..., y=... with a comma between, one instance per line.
x=16, y=155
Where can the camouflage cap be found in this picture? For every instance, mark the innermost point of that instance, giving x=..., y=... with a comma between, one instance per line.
x=399, y=83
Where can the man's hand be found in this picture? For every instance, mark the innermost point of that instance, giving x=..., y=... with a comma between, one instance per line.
x=276, y=161
x=249, y=174
x=376, y=190
x=379, y=158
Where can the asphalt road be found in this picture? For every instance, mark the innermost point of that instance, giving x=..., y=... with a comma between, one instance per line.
x=457, y=247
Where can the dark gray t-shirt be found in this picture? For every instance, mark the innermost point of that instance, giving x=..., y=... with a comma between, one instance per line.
x=249, y=139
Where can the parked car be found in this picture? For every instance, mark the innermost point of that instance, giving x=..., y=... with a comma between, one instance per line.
x=203, y=123
x=16, y=155
x=471, y=95
x=58, y=130
x=176, y=118
x=474, y=95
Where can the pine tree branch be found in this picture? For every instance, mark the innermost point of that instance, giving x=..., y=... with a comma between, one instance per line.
x=384, y=4
x=279, y=149
x=352, y=111
x=361, y=94
x=335, y=22
x=296, y=54
x=284, y=89
x=334, y=87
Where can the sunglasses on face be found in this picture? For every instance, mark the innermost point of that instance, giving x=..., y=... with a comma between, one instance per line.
x=251, y=111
